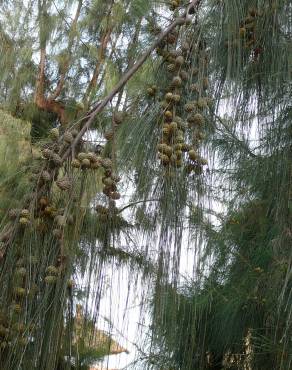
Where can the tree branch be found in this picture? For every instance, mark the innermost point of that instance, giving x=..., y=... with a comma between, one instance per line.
x=101, y=56
x=101, y=105
x=61, y=82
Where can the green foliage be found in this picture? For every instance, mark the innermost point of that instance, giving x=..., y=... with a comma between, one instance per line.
x=234, y=215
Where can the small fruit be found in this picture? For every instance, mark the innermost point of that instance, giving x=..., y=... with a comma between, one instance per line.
x=54, y=133
x=179, y=61
x=19, y=292
x=64, y=183
x=174, y=4
x=82, y=156
x=118, y=118
x=169, y=97
x=189, y=107
x=179, y=139
x=173, y=126
x=75, y=163
x=193, y=155
x=57, y=233
x=74, y=132
x=242, y=31
x=202, y=161
x=94, y=165
x=168, y=150
x=184, y=75
x=43, y=202
x=176, y=81
x=51, y=279
x=115, y=177
x=195, y=88
x=185, y=147
x=107, y=172
x=50, y=211
x=17, y=308
x=13, y=214
x=174, y=53
x=205, y=83
x=80, y=106
x=115, y=195
x=19, y=327
x=201, y=135
x=164, y=104
x=182, y=126
x=150, y=91
x=85, y=163
x=107, y=190
x=178, y=119
x=109, y=134
x=166, y=129
x=202, y=103
x=101, y=209
x=253, y=12
x=60, y=220
x=198, y=119
x=176, y=98
x=23, y=221
x=107, y=163
x=168, y=115
x=68, y=137
x=70, y=284
x=25, y=213
x=164, y=159
x=52, y=270
x=108, y=181
x=161, y=147
x=46, y=176
x=56, y=159
x=173, y=158
x=209, y=101
x=171, y=67
x=185, y=46
x=171, y=38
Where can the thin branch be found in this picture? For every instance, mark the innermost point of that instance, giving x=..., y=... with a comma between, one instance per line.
x=241, y=143
x=61, y=82
x=101, y=56
x=138, y=202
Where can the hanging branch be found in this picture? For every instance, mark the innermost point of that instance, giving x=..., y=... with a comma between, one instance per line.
x=101, y=105
x=130, y=58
